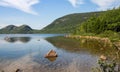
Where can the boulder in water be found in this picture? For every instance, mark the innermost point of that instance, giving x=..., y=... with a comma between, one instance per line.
x=51, y=53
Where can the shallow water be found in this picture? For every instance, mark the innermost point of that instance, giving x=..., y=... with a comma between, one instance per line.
x=27, y=51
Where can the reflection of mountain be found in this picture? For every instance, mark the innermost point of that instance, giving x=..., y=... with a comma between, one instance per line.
x=81, y=45
x=14, y=39
x=52, y=59
x=10, y=39
x=24, y=39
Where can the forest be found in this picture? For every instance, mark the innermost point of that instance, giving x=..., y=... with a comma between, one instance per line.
x=107, y=24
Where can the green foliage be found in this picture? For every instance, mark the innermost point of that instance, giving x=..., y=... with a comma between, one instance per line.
x=113, y=36
x=109, y=20
x=68, y=24
x=107, y=24
x=107, y=66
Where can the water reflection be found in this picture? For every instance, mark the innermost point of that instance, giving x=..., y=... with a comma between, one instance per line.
x=73, y=55
x=82, y=45
x=24, y=39
x=15, y=39
x=10, y=39
x=52, y=59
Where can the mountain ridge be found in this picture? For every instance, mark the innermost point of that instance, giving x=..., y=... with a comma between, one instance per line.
x=16, y=29
x=68, y=23
x=64, y=24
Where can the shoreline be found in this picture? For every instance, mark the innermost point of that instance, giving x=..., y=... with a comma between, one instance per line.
x=102, y=39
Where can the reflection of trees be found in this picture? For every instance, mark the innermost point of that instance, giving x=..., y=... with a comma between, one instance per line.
x=14, y=39
x=91, y=46
x=86, y=45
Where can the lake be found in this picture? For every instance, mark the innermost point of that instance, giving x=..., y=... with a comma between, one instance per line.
x=27, y=51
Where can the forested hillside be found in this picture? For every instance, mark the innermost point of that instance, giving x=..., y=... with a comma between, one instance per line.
x=68, y=23
x=107, y=21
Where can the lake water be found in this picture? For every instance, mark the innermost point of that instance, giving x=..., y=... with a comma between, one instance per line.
x=27, y=51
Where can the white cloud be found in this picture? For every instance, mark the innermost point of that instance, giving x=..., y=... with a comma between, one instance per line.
x=23, y=5
x=106, y=4
x=75, y=3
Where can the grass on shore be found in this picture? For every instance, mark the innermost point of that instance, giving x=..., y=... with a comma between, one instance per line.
x=113, y=36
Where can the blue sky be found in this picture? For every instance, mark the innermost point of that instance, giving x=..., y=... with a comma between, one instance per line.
x=40, y=13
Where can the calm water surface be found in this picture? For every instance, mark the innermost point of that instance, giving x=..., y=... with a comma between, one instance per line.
x=27, y=51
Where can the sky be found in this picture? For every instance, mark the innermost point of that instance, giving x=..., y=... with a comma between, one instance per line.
x=40, y=13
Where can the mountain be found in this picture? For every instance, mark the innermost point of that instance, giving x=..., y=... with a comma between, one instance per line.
x=68, y=23
x=78, y=23
x=15, y=29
